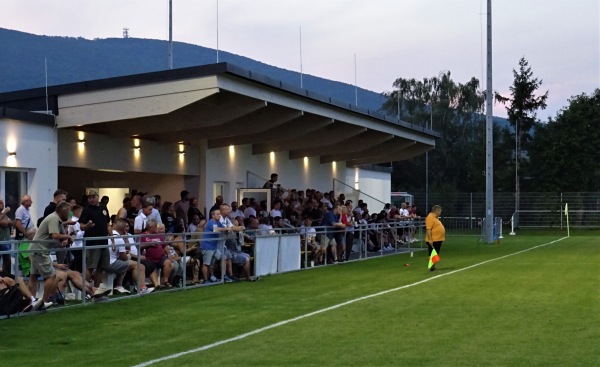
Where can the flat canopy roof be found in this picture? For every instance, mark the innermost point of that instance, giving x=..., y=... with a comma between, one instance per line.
x=226, y=105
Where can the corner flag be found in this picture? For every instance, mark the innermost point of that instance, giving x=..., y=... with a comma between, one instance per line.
x=433, y=258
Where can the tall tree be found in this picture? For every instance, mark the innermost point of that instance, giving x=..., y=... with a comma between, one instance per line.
x=522, y=107
x=454, y=110
x=564, y=152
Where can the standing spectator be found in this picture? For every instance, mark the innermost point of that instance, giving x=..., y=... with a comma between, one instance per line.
x=229, y=243
x=194, y=210
x=154, y=213
x=104, y=201
x=5, y=224
x=436, y=233
x=51, y=228
x=271, y=184
x=182, y=206
x=22, y=218
x=142, y=219
x=209, y=247
x=76, y=231
x=331, y=219
x=167, y=215
x=157, y=202
x=59, y=196
x=218, y=202
x=122, y=212
x=95, y=218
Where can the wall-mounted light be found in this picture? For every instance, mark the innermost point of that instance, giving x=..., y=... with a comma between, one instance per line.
x=12, y=154
x=81, y=141
x=181, y=148
x=136, y=144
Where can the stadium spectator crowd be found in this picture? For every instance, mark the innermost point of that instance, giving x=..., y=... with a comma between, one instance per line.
x=150, y=242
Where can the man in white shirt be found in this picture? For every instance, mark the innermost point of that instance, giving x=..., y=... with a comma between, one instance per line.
x=235, y=211
x=250, y=210
x=120, y=264
x=230, y=245
x=139, y=225
x=154, y=213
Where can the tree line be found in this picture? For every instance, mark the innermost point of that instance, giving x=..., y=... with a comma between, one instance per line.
x=529, y=155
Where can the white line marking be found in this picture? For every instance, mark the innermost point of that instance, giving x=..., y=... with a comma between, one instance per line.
x=280, y=323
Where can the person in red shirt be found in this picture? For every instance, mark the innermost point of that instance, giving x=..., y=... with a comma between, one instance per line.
x=157, y=251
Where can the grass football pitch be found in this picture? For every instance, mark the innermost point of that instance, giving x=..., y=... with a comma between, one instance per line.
x=533, y=300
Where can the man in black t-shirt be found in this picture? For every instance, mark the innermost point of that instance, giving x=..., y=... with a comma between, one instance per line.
x=59, y=196
x=97, y=224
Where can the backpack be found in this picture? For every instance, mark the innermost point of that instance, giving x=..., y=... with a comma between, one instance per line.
x=12, y=301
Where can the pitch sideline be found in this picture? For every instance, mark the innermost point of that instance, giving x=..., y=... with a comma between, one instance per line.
x=284, y=322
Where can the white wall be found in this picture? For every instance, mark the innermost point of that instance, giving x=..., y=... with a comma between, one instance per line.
x=35, y=145
x=372, y=183
x=221, y=165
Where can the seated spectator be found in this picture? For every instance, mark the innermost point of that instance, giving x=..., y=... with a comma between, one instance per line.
x=264, y=228
x=120, y=264
x=276, y=211
x=251, y=209
x=155, y=249
x=150, y=268
x=63, y=275
x=16, y=298
x=308, y=234
x=190, y=257
x=235, y=211
x=194, y=223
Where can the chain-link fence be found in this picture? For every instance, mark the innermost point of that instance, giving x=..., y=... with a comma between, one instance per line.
x=535, y=209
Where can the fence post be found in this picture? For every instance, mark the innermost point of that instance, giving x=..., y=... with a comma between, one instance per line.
x=471, y=213
x=560, y=210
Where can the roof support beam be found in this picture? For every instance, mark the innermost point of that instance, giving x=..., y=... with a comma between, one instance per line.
x=306, y=122
x=401, y=155
x=355, y=143
x=325, y=136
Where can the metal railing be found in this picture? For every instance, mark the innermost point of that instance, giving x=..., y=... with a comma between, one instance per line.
x=368, y=241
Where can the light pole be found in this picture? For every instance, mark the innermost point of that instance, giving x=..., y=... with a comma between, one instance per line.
x=427, y=152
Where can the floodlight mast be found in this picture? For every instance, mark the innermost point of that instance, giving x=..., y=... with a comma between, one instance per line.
x=489, y=137
x=170, y=34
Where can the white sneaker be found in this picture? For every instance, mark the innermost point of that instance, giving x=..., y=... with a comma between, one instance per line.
x=147, y=290
x=121, y=290
x=102, y=291
x=48, y=305
x=213, y=278
x=38, y=304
